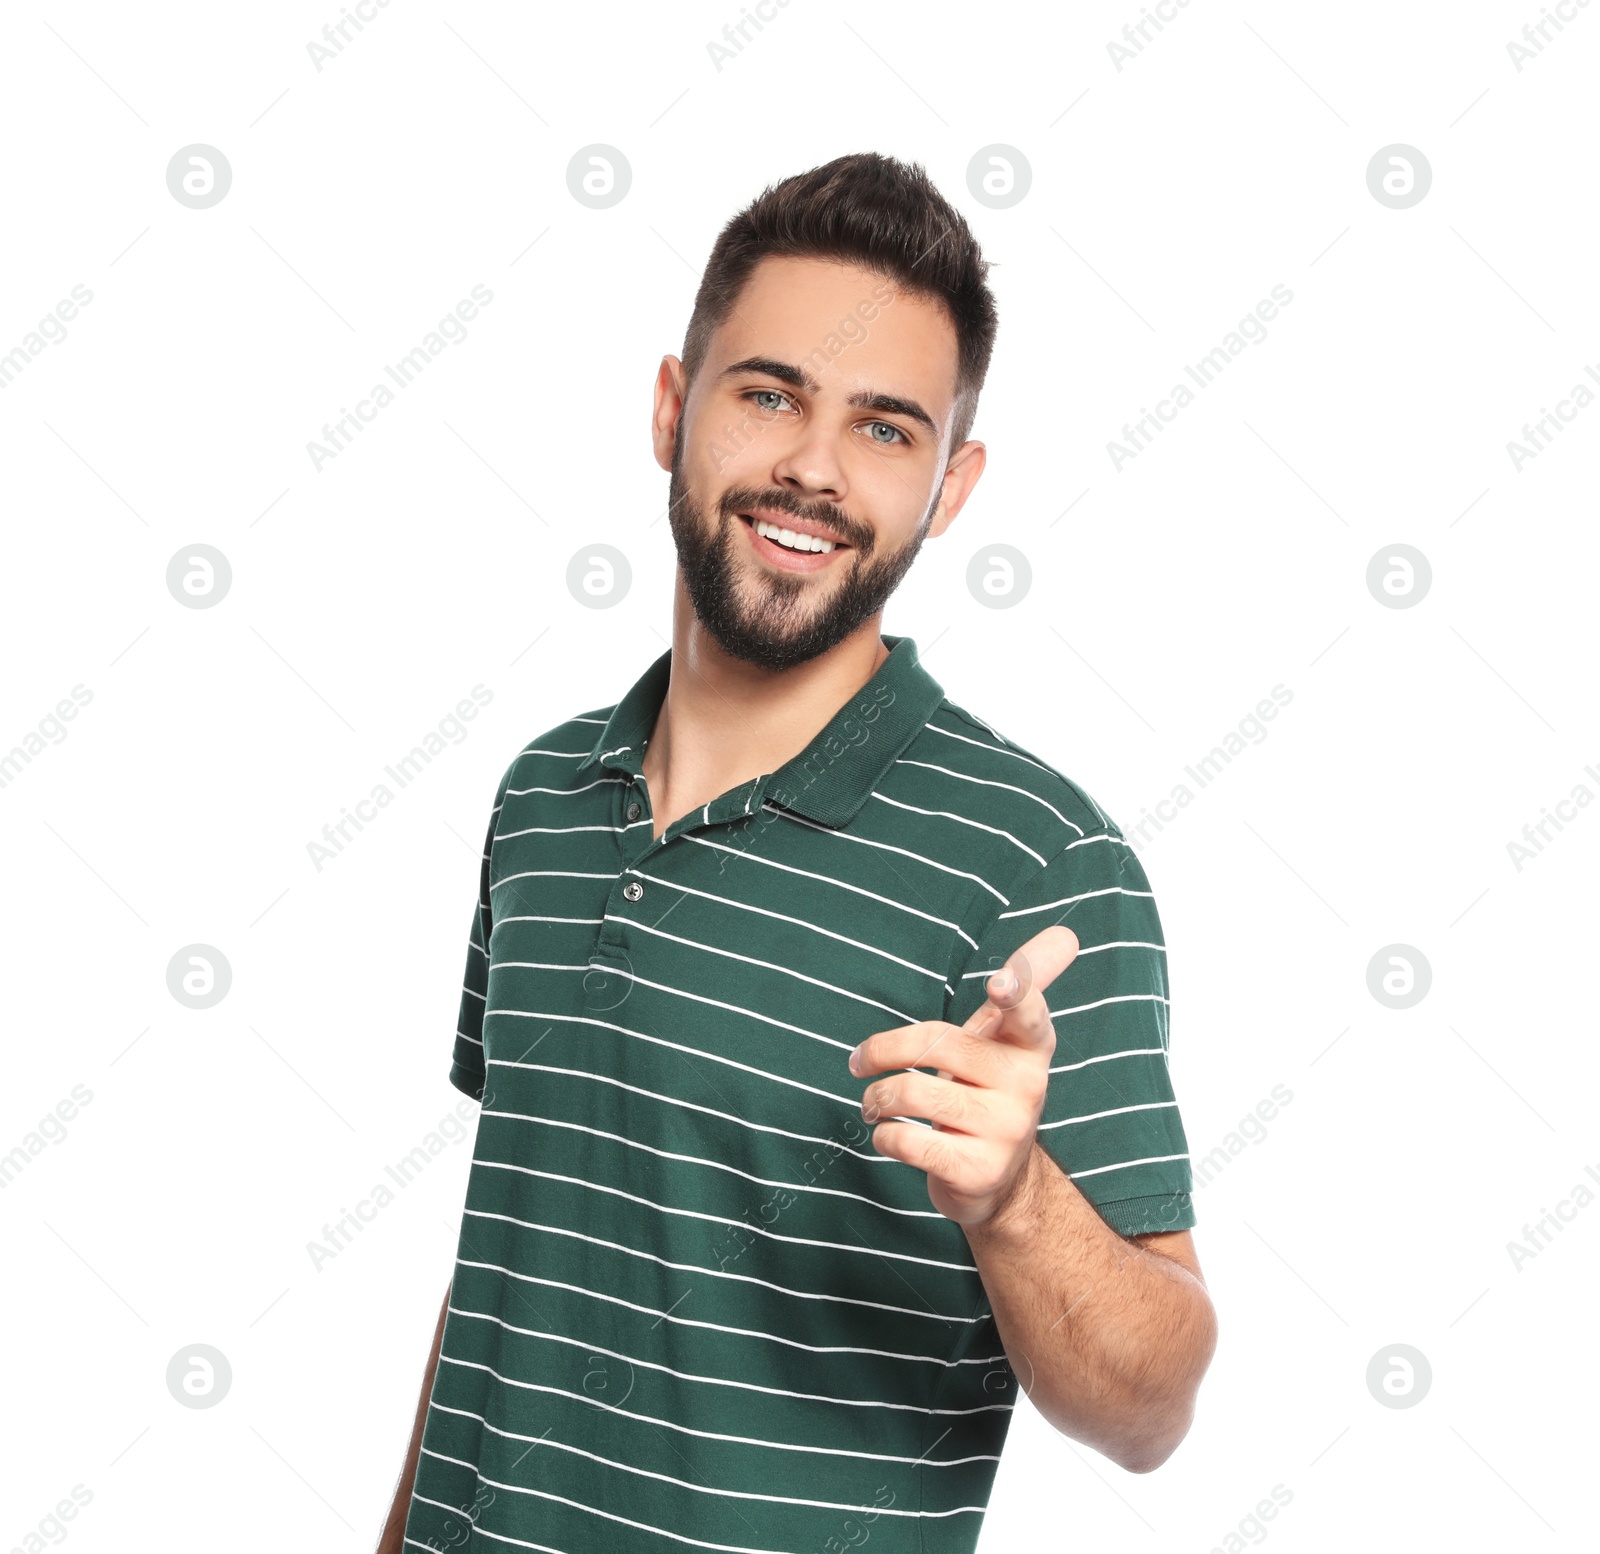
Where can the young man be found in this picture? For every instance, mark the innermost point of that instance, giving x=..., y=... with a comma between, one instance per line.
x=789, y=1174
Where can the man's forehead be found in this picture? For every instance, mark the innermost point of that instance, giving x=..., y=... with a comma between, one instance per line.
x=845, y=325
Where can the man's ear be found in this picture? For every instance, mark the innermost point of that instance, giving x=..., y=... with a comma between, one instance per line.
x=960, y=476
x=670, y=394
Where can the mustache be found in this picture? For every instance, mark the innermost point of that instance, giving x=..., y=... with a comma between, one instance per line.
x=741, y=499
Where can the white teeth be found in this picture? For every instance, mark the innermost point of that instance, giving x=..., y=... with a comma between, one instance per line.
x=789, y=538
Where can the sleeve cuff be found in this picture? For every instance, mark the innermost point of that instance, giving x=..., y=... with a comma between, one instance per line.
x=1149, y=1216
x=469, y=1080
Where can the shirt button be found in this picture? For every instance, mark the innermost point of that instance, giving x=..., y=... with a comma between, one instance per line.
x=634, y=811
x=633, y=890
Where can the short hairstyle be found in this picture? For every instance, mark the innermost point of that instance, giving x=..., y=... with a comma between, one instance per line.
x=875, y=211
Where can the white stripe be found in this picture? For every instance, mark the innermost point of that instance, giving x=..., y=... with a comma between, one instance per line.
x=983, y=744
x=1086, y=949
x=455, y=1510
x=506, y=836
x=599, y=782
x=1110, y=890
x=990, y=782
x=695, y=1214
x=663, y=987
x=570, y=755
x=710, y=1111
x=587, y=922
x=699, y=1543
x=888, y=847
x=1106, y=1057
x=1116, y=1111
x=720, y=1327
x=1003, y=747
x=477, y=1041
x=481, y=997
x=1123, y=1164
x=712, y=1381
x=1098, y=836
x=828, y=879
x=568, y=874
x=1116, y=998
x=582, y=1019
x=772, y=965
x=743, y=1440
x=460, y=1462
x=703, y=1489
x=716, y=1165
x=945, y=814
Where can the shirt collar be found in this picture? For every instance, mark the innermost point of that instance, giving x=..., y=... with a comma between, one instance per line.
x=835, y=774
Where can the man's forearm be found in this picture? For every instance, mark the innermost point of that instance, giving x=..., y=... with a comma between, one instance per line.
x=392, y=1539
x=1108, y=1340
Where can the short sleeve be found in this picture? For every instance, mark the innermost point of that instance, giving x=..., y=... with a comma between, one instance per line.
x=467, y=1063
x=1111, y=1119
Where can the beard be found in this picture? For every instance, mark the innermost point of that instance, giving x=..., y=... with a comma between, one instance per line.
x=769, y=618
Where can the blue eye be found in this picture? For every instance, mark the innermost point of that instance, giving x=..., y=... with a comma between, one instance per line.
x=887, y=427
x=756, y=394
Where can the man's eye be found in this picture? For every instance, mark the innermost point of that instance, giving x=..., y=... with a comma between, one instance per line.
x=759, y=394
x=887, y=442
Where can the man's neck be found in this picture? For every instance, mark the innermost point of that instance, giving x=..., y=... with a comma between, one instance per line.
x=725, y=721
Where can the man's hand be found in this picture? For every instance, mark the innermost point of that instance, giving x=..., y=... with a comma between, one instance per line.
x=990, y=1090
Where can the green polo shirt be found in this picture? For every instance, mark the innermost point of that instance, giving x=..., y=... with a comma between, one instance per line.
x=692, y=1307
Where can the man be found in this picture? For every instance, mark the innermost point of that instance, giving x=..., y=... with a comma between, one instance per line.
x=789, y=1175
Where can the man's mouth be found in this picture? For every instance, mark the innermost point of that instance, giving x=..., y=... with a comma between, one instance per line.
x=793, y=534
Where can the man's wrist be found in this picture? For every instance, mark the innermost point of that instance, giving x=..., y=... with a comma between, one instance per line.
x=1015, y=1218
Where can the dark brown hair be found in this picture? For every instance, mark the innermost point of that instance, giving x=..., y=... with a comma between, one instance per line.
x=875, y=211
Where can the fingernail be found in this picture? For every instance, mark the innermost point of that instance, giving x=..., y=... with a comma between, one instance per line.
x=855, y=1058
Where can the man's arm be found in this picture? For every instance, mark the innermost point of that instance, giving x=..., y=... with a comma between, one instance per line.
x=1109, y=1337
x=394, y=1530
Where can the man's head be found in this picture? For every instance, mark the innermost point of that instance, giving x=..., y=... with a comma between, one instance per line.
x=829, y=380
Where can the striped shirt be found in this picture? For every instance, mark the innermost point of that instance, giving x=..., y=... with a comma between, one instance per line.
x=692, y=1308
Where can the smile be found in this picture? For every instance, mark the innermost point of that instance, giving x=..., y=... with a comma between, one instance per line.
x=787, y=548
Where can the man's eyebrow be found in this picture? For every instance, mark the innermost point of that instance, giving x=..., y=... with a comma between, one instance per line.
x=892, y=404
x=863, y=399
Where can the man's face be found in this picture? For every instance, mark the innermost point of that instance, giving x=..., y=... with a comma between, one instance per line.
x=823, y=406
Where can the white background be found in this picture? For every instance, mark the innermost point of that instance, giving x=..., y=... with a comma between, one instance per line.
x=1167, y=199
